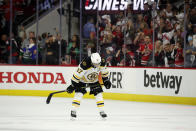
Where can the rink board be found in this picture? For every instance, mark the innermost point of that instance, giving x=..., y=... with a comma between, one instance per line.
x=131, y=84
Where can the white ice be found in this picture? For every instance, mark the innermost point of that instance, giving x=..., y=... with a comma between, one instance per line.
x=20, y=113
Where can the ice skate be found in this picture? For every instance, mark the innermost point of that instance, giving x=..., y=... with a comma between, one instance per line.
x=103, y=115
x=73, y=115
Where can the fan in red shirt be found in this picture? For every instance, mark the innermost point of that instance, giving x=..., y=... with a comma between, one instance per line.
x=15, y=9
x=145, y=50
x=179, y=58
x=118, y=36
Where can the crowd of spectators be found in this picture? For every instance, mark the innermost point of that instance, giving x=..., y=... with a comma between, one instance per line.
x=23, y=45
x=124, y=39
x=26, y=50
x=21, y=9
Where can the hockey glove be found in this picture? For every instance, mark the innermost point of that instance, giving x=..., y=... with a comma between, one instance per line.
x=107, y=84
x=70, y=89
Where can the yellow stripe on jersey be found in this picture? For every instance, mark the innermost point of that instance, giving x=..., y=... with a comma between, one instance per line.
x=76, y=77
x=73, y=78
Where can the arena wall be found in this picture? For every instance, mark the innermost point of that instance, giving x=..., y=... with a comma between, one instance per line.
x=176, y=86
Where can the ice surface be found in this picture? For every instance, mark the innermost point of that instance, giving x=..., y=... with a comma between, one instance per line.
x=19, y=113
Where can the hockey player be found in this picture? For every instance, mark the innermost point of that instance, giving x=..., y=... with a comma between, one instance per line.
x=86, y=75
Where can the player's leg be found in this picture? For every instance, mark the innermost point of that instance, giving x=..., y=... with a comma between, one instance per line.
x=79, y=92
x=76, y=104
x=97, y=91
x=100, y=104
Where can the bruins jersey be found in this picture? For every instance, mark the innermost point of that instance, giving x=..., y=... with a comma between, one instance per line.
x=87, y=73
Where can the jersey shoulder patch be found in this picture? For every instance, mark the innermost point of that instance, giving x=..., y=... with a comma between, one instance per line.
x=86, y=63
x=103, y=62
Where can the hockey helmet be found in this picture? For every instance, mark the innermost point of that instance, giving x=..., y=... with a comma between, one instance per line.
x=96, y=59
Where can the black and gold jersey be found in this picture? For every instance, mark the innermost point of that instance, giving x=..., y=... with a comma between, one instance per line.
x=87, y=73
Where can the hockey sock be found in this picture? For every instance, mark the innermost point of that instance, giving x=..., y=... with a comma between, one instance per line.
x=76, y=101
x=100, y=102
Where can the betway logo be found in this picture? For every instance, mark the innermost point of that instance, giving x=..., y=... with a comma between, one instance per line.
x=31, y=77
x=163, y=81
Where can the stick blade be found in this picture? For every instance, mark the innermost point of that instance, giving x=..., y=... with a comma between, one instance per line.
x=51, y=94
x=49, y=98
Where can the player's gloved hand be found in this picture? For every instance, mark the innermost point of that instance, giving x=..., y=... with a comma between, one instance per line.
x=70, y=89
x=107, y=84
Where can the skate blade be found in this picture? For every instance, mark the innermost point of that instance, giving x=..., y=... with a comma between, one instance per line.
x=103, y=118
x=72, y=118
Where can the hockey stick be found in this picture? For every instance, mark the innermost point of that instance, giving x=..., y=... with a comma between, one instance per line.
x=51, y=94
